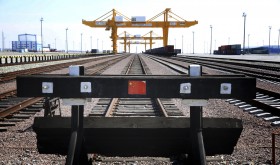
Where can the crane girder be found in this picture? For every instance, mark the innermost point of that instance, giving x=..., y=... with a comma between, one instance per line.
x=140, y=38
x=137, y=43
x=155, y=24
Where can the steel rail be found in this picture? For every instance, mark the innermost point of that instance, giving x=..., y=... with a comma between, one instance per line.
x=114, y=101
x=15, y=108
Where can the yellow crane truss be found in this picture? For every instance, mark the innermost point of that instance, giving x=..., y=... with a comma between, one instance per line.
x=109, y=22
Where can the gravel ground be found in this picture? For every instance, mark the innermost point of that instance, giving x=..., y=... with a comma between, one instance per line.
x=18, y=144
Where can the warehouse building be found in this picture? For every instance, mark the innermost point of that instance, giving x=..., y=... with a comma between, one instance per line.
x=26, y=43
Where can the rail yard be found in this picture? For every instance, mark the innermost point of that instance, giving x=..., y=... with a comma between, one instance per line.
x=21, y=134
x=79, y=98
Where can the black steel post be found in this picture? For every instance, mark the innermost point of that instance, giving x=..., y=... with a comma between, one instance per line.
x=197, y=155
x=198, y=152
x=76, y=152
x=74, y=136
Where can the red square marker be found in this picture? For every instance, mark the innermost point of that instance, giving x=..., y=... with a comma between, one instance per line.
x=136, y=87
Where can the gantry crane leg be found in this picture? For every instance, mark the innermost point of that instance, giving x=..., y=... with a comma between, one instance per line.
x=165, y=36
x=114, y=39
x=124, y=46
x=150, y=40
x=145, y=45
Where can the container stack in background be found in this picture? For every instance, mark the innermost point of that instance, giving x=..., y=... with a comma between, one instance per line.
x=229, y=50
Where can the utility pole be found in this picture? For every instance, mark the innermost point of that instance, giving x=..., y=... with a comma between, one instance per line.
x=211, y=40
x=248, y=42
x=269, y=38
x=81, y=43
x=97, y=44
x=42, y=33
x=193, y=41
x=90, y=43
x=244, y=15
x=278, y=41
x=3, y=41
x=66, y=41
x=182, y=43
x=55, y=43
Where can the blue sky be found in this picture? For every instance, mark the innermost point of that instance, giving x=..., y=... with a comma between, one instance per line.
x=23, y=16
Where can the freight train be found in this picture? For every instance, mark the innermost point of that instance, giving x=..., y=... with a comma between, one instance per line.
x=229, y=50
x=163, y=51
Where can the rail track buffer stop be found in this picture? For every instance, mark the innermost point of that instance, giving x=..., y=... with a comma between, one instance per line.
x=194, y=87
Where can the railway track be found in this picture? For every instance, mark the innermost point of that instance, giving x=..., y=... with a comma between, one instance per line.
x=268, y=71
x=5, y=77
x=106, y=104
x=266, y=105
x=14, y=109
x=124, y=107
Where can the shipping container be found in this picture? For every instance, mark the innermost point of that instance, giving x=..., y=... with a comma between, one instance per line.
x=178, y=51
x=138, y=19
x=229, y=50
x=94, y=51
x=162, y=51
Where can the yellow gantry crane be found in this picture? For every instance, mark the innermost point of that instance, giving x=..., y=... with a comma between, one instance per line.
x=128, y=36
x=135, y=42
x=113, y=20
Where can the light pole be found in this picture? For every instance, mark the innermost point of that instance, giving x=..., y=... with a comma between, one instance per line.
x=3, y=41
x=244, y=15
x=248, y=42
x=97, y=44
x=73, y=45
x=66, y=41
x=55, y=43
x=182, y=43
x=81, y=42
x=215, y=45
x=211, y=39
x=174, y=43
x=90, y=42
x=269, y=37
x=193, y=43
x=102, y=45
x=228, y=40
x=204, y=47
x=42, y=33
x=278, y=41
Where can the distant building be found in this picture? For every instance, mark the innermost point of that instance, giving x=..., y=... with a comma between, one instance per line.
x=26, y=42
